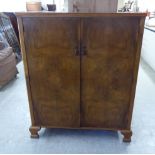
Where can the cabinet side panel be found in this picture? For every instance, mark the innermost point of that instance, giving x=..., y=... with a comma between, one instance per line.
x=140, y=32
x=54, y=69
x=22, y=45
x=108, y=70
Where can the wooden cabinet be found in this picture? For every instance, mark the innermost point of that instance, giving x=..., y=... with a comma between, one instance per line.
x=81, y=69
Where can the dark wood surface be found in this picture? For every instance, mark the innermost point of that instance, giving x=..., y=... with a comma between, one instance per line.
x=71, y=14
x=81, y=72
x=54, y=70
x=107, y=70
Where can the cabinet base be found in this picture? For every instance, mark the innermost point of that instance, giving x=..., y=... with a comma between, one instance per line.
x=34, y=131
x=127, y=135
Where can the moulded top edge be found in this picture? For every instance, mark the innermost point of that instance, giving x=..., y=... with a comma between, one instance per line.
x=69, y=14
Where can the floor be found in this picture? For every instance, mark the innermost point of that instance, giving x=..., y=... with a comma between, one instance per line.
x=15, y=121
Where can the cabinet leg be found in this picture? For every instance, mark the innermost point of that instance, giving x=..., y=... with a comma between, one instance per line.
x=34, y=131
x=127, y=135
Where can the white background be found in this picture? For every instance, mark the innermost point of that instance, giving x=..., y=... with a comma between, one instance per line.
x=20, y=5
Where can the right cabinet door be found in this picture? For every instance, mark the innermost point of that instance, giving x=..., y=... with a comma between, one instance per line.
x=107, y=70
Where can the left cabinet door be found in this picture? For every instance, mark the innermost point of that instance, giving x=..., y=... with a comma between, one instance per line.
x=54, y=69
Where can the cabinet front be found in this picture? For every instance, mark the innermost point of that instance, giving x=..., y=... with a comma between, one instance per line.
x=54, y=70
x=109, y=50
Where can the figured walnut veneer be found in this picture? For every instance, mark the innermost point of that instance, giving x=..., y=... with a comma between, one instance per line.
x=81, y=69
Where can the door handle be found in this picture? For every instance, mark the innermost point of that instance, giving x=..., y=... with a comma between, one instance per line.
x=81, y=51
x=77, y=51
x=84, y=50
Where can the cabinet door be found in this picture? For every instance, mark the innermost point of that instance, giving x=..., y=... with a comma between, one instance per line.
x=107, y=70
x=54, y=70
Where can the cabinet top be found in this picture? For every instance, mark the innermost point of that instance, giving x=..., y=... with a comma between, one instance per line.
x=65, y=14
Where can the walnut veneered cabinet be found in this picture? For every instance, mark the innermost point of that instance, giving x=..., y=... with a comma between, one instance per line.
x=81, y=69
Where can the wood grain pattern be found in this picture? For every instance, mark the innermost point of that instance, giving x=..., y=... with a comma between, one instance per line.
x=81, y=69
x=24, y=57
x=54, y=70
x=71, y=14
x=108, y=70
x=139, y=36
